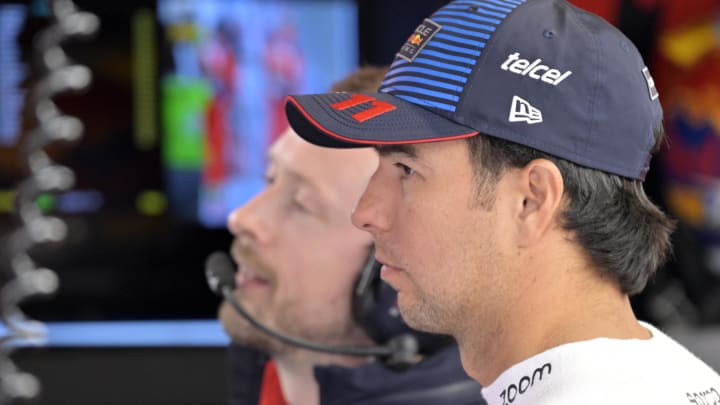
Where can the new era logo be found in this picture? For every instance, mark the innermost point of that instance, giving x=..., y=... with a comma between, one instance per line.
x=523, y=111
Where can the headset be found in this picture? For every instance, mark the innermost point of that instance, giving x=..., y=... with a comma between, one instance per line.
x=374, y=307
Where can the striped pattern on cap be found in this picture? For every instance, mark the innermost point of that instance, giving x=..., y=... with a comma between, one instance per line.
x=435, y=79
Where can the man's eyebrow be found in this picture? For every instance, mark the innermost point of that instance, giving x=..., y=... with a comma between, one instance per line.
x=403, y=149
x=276, y=158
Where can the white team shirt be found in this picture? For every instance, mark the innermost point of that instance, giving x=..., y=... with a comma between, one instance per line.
x=655, y=371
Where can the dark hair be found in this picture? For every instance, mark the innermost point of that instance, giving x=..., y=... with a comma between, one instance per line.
x=625, y=235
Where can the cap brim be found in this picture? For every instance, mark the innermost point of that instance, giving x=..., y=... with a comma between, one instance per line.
x=344, y=120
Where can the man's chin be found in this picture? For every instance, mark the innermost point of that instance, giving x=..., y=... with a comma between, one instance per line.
x=242, y=332
x=419, y=317
x=261, y=341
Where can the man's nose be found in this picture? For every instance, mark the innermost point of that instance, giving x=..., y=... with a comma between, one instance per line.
x=252, y=219
x=372, y=213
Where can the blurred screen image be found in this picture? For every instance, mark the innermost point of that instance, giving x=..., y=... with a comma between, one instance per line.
x=231, y=64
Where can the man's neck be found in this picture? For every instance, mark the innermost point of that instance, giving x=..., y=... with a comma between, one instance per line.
x=549, y=313
x=297, y=377
x=297, y=380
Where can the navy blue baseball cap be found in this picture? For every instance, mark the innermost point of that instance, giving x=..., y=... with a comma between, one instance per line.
x=541, y=73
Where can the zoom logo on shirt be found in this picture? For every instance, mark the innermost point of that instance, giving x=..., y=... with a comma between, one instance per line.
x=509, y=394
x=708, y=397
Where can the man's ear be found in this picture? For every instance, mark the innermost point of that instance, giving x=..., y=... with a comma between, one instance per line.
x=540, y=185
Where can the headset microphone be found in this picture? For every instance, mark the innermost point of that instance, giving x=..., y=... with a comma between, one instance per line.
x=399, y=351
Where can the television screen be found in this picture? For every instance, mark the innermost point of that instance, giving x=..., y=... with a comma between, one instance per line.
x=228, y=67
x=185, y=98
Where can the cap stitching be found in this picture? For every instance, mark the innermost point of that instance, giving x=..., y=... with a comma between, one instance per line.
x=594, y=87
x=482, y=61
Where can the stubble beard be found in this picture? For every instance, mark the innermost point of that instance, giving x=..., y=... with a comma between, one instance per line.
x=287, y=322
x=424, y=315
x=242, y=332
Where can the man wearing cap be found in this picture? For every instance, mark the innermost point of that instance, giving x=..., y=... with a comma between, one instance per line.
x=508, y=206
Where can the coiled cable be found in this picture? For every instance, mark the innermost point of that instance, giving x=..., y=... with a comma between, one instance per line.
x=21, y=277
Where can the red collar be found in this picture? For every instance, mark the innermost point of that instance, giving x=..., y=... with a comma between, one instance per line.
x=270, y=390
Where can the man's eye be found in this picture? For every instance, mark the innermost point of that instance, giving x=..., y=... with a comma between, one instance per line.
x=406, y=170
x=269, y=179
x=300, y=206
